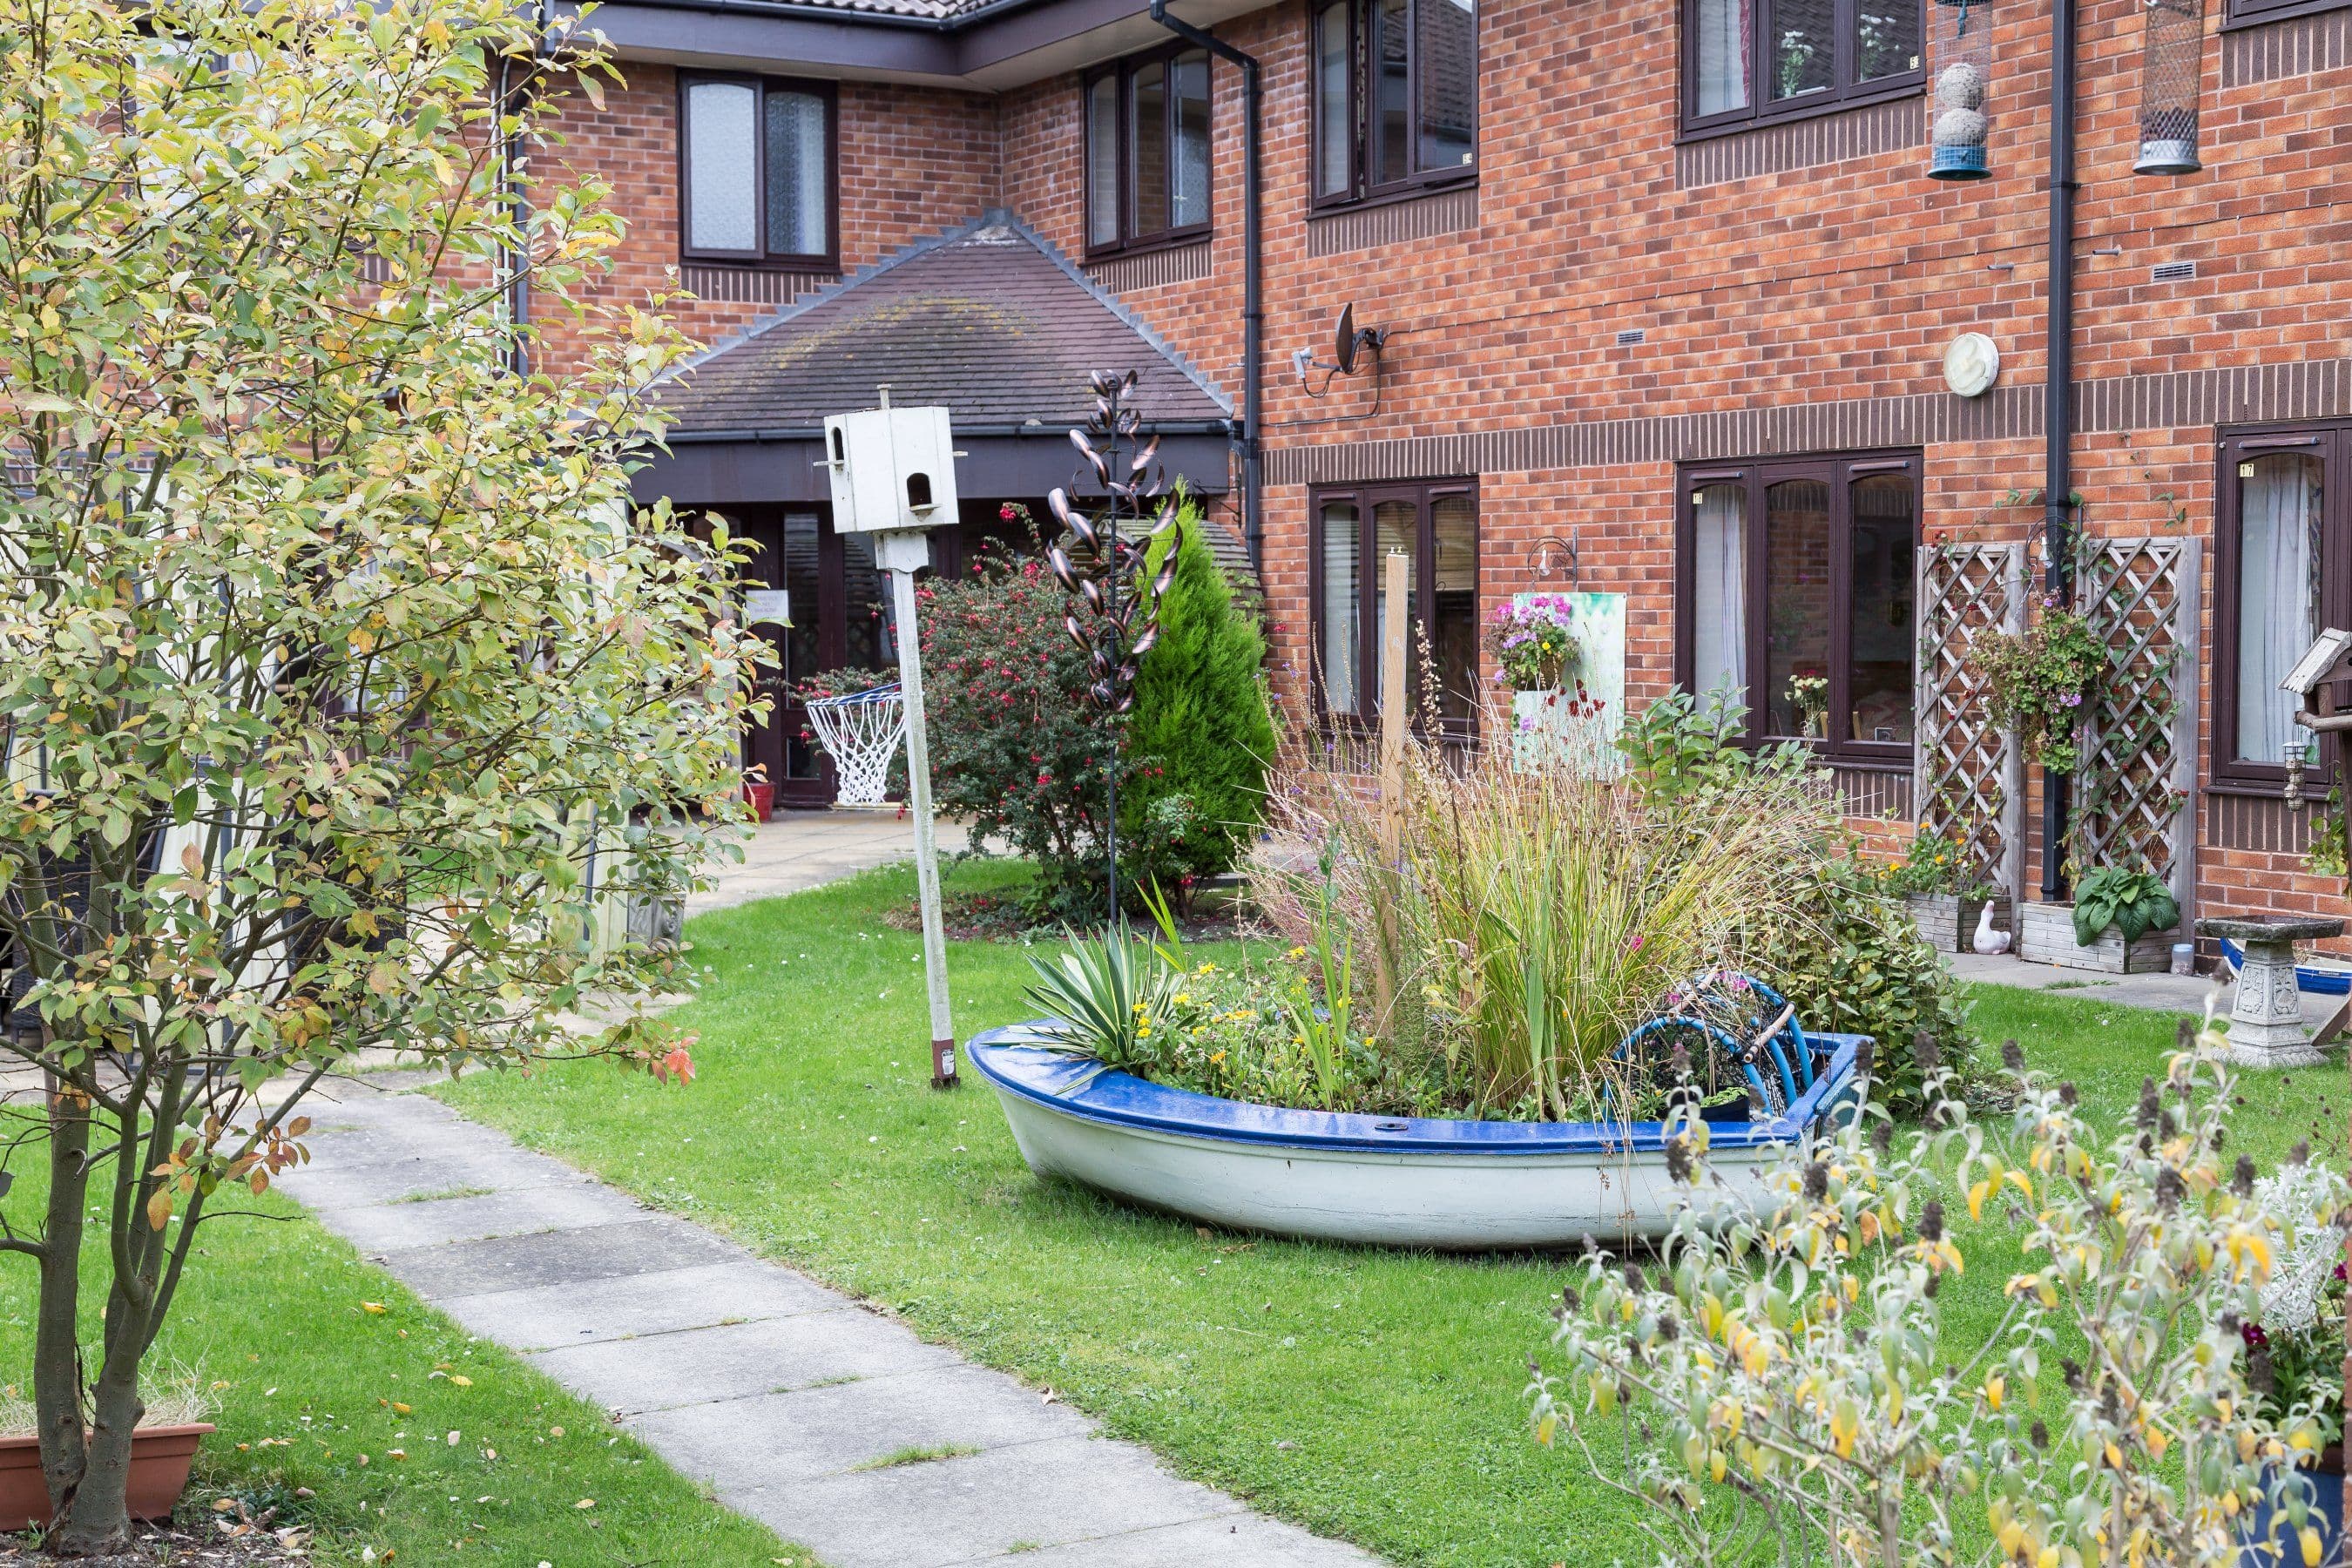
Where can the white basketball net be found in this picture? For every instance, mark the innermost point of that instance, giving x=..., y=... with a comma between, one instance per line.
x=860, y=732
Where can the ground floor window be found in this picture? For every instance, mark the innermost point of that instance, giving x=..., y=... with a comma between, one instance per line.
x=1795, y=588
x=1435, y=525
x=2283, y=535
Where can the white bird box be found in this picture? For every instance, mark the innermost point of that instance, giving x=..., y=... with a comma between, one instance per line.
x=892, y=468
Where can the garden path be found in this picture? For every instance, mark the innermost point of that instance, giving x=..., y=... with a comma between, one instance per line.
x=797, y=849
x=790, y=1400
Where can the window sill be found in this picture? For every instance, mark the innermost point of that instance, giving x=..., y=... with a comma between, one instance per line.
x=2240, y=21
x=1909, y=86
x=1177, y=241
x=808, y=265
x=1335, y=208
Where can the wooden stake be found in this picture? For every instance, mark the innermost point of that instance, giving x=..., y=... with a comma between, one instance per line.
x=1393, y=703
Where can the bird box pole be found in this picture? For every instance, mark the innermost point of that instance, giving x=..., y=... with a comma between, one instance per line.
x=1394, y=654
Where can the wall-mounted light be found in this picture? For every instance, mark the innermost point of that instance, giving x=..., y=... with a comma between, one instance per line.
x=1958, y=134
x=2171, y=76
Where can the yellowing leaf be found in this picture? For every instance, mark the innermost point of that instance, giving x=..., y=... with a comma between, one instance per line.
x=460, y=1380
x=374, y=1309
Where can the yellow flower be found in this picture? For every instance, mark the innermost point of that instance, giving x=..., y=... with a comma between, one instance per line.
x=1217, y=1056
x=1206, y=969
x=1297, y=952
x=1183, y=999
x=1143, y=1031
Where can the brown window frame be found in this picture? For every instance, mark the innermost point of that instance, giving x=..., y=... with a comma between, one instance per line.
x=2236, y=13
x=1841, y=94
x=1839, y=470
x=1123, y=73
x=1424, y=494
x=829, y=260
x=1361, y=189
x=2331, y=441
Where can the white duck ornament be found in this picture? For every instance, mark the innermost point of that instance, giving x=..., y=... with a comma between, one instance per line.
x=1988, y=941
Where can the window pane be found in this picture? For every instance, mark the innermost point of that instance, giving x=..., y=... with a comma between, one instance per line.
x=1333, y=128
x=1882, y=531
x=1719, y=594
x=1885, y=39
x=1148, y=124
x=1188, y=200
x=866, y=607
x=1391, y=108
x=2278, y=593
x=1805, y=49
x=1796, y=605
x=1720, y=50
x=1396, y=528
x=1453, y=631
x=1446, y=46
x=1342, y=607
x=798, y=178
x=1102, y=162
x=721, y=163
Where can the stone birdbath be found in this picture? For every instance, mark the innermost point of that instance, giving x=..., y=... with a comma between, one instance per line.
x=2266, y=1028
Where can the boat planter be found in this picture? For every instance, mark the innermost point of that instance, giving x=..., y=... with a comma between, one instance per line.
x=2045, y=934
x=1390, y=1181
x=1948, y=921
x=160, y=1456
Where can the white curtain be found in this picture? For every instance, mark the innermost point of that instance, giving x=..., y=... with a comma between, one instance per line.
x=1342, y=607
x=2278, y=595
x=1722, y=57
x=1719, y=600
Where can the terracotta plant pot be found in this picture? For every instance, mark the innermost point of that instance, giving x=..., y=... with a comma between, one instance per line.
x=761, y=798
x=160, y=1456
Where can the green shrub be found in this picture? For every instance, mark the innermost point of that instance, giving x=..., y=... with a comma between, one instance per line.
x=1202, y=736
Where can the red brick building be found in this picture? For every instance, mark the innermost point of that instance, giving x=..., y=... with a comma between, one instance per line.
x=1670, y=285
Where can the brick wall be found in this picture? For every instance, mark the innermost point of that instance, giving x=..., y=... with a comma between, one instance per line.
x=1795, y=287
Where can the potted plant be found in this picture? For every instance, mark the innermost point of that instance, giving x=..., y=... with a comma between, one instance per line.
x=162, y=1449
x=2116, y=925
x=1809, y=694
x=2039, y=683
x=1533, y=643
x=1947, y=893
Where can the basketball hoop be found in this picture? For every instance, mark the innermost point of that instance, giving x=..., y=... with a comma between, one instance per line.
x=860, y=730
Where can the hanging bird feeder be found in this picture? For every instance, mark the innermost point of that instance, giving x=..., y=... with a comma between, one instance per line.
x=2171, y=75
x=1958, y=128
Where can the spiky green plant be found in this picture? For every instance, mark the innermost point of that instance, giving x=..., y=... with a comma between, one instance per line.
x=1108, y=997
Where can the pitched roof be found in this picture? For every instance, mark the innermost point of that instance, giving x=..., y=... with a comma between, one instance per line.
x=988, y=319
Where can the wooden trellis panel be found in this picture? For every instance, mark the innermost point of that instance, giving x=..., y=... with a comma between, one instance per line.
x=1968, y=775
x=2136, y=792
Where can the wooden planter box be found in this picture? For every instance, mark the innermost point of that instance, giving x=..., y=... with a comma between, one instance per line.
x=1948, y=921
x=2046, y=935
x=160, y=1456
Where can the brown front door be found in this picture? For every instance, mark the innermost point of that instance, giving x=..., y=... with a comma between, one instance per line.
x=840, y=615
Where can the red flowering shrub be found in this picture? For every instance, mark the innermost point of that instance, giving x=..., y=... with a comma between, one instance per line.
x=1016, y=749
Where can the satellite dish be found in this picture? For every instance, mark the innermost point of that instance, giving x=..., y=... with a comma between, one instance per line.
x=1346, y=343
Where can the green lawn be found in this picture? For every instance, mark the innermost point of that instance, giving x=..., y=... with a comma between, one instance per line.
x=505, y=1468
x=1372, y=1395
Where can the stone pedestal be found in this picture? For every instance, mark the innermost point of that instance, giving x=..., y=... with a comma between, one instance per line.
x=2266, y=1020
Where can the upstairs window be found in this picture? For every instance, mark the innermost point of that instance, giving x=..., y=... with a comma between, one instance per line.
x=1796, y=598
x=1396, y=97
x=1750, y=62
x=1147, y=151
x=756, y=170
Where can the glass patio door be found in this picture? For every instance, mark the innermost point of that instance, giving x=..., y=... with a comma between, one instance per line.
x=841, y=615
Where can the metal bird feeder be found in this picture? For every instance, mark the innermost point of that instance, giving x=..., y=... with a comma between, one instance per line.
x=2171, y=76
x=1960, y=126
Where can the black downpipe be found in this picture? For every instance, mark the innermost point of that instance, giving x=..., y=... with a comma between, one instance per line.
x=1253, y=292
x=2058, y=402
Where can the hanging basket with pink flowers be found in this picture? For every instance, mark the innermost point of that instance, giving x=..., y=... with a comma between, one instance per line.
x=2040, y=682
x=1533, y=642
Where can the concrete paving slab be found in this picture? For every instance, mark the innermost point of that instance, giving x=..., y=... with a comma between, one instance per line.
x=735, y=1360
x=556, y=1257
x=1251, y=1539
x=394, y=1227
x=802, y=849
x=832, y=1428
x=954, y=1510
x=330, y=1186
x=549, y=1316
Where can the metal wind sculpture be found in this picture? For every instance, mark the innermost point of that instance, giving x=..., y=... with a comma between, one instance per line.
x=1113, y=546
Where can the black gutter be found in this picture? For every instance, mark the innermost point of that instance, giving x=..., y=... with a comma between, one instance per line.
x=2058, y=402
x=1252, y=295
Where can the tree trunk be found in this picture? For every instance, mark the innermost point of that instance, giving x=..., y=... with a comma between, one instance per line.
x=98, y=1520
x=57, y=1349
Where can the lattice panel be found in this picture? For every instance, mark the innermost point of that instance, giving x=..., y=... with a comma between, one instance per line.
x=1969, y=775
x=2133, y=793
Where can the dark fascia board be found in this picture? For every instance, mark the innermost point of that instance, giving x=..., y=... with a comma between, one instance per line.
x=767, y=468
x=1003, y=45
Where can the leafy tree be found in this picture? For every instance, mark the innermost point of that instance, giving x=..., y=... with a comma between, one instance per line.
x=328, y=651
x=1201, y=735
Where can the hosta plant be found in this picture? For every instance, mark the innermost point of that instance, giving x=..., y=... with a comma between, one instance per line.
x=2134, y=902
x=1786, y=1388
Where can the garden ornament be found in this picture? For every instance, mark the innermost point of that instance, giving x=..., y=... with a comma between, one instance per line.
x=1988, y=941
